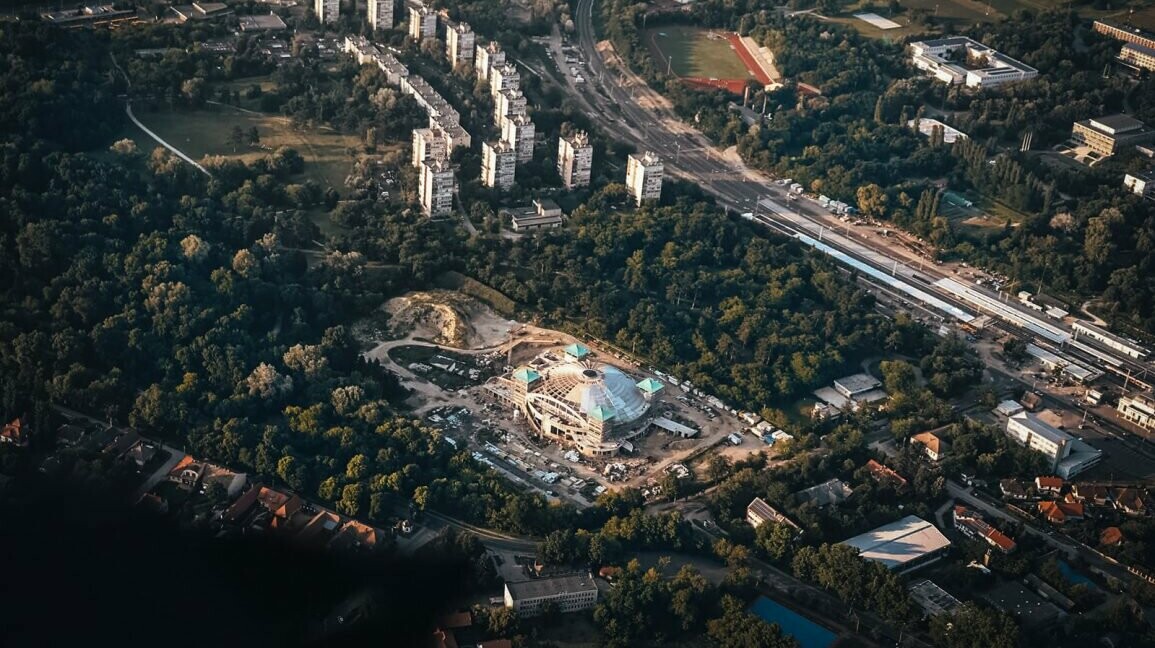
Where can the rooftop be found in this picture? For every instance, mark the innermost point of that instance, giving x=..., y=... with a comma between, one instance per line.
x=828, y=492
x=1116, y=124
x=759, y=508
x=1038, y=427
x=857, y=383
x=542, y=587
x=900, y=542
x=932, y=441
x=650, y=386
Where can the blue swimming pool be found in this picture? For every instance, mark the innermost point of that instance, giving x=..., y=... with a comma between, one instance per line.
x=1076, y=577
x=806, y=632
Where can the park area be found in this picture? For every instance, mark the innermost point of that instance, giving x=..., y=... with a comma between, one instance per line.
x=704, y=58
x=208, y=131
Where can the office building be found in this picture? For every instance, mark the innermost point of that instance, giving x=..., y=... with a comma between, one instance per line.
x=381, y=14
x=1068, y=456
x=504, y=77
x=1106, y=135
x=508, y=103
x=644, y=176
x=1138, y=408
x=1141, y=183
x=544, y=214
x=422, y=22
x=519, y=131
x=569, y=593
x=1139, y=56
x=459, y=40
x=487, y=58
x=1125, y=34
x=575, y=157
x=437, y=187
x=959, y=60
x=327, y=10
x=498, y=164
x=428, y=144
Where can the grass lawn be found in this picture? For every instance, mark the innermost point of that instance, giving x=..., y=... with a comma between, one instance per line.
x=205, y=132
x=952, y=15
x=694, y=53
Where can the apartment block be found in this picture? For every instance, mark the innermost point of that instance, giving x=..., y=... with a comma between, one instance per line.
x=422, y=22
x=487, y=58
x=437, y=186
x=644, y=176
x=1125, y=34
x=327, y=10
x=428, y=144
x=381, y=14
x=575, y=156
x=505, y=77
x=508, y=103
x=498, y=164
x=459, y=42
x=519, y=131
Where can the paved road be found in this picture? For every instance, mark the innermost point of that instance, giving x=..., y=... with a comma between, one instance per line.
x=161, y=473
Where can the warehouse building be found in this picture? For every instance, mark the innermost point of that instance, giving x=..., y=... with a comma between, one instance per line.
x=903, y=545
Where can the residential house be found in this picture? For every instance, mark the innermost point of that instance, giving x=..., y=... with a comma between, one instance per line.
x=833, y=491
x=1095, y=494
x=141, y=453
x=1131, y=501
x=758, y=512
x=884, y=475
x=1013, y=489
x=354, y=536
x=933, y=446
x=16, y=432
x=971, y=524
x=1111, y=536
x=1049, y=485
x=1059, y=512
x=70, y=435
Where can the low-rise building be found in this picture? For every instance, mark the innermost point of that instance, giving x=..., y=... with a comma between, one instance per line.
x=961, y=60
x=261, y=23
x=16, y=432
x=971, y=524
x=1139, y=56
x=933, y=446
x=1141, y=183
x=1013, y=489
x=1124, y=33
x=1106, y=135
x=544, y=214
x=758, y=512
x=1068, y=456
x=569, y=593
x=1048, y=485
x=1059, y=512
x=903, y=545
x=885, y=475
x=644, y=176
x=832, y=491
x=1138, y=408
x=1131, y=501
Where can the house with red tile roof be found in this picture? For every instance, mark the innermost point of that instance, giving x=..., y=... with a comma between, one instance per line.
x=1091, y=494
x=1061, y=512
x=972, y=525
x=1131, y=501
x=933, y=446
x=885, y=475
x=1049, y=485
x=1111, y=536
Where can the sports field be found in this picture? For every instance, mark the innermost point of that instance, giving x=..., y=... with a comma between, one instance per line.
x=693, y=53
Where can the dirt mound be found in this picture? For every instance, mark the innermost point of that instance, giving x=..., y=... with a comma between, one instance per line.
x=447, y=318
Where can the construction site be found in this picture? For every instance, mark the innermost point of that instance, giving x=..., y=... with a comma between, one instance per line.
x=569, y=418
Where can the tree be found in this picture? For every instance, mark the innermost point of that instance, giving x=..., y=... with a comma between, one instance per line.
x=352, y=497
x=972, y=626
x=737, y=627
x=776, y=541
x=872, y=201
x=898, y=376
x=237, y=138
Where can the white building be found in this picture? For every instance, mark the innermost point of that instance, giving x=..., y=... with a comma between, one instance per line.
x=422, y=22
x=960, y=60
x=903, y=545
x=519, y=131
x=437, y=186
x=503, y=77
x=644, y=176
x=1139, y=409
x=428, y=144
x=544, y=214
x=381, y=14
x=575, y=156
x=1141, y=183
x=758, y=512
x=487, y=58
x=1068, y=455
x=327, y=10
x=568, y=593
x=459, y=41
x=508, y=103
x=498, y=164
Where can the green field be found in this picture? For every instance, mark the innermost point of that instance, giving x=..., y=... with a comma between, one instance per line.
x=692, y=52
x=198, y=133
x=952, y=15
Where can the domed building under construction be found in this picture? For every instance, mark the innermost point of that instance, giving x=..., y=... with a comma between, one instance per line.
x=572, y=398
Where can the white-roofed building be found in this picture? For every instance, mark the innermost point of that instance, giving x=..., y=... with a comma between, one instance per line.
x=903, y=545
x=568, y=593
x=1068, y=455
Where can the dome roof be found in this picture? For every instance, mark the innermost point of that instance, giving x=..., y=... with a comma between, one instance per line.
x=597, y=390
